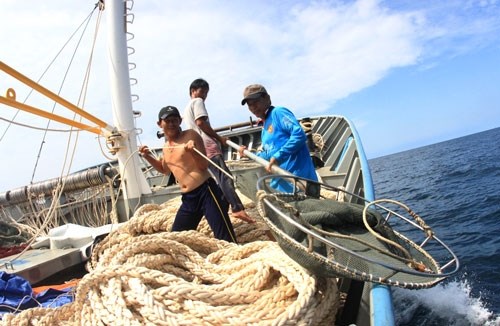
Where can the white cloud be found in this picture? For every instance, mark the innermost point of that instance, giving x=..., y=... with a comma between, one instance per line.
x=308, y=58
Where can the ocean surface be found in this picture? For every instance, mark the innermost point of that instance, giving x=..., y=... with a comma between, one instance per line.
x=455, y=187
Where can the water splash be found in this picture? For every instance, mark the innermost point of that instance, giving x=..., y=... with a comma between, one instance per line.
x=445, y=304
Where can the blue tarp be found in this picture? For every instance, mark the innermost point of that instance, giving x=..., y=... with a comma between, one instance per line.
x=16, y=294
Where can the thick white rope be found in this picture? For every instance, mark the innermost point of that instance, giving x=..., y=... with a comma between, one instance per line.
x=143, y=274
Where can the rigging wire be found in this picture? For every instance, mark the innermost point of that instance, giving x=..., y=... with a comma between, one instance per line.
x=81, y=100
x=51, y=215
x=59, y=92
x=59, y=191
x=33, y=127
x=56, y=195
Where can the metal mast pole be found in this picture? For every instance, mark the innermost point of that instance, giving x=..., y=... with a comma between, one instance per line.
x=133, y=181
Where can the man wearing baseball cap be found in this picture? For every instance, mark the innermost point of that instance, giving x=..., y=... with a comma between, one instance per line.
x=167, y=111
x=201, y=196
x=284, y=141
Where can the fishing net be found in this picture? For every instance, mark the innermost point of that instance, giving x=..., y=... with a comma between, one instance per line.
x=332, y=238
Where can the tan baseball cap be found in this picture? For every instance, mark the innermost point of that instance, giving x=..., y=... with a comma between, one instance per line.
x=253, y=91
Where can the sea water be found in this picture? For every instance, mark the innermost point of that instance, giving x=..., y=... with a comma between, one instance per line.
x=455, y=187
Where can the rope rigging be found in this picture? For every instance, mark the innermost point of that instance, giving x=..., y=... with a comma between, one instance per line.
x=72, y=141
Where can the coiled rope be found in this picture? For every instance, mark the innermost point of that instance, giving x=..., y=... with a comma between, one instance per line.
x=142, y=274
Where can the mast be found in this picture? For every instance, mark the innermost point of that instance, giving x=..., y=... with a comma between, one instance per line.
x=133, y=180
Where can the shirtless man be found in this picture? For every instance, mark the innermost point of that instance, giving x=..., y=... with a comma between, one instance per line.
x=201, y=196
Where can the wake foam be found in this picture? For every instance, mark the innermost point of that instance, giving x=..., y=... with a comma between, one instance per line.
x=445, y=304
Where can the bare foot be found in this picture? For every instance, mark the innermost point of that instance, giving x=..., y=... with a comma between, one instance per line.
x=242, y=215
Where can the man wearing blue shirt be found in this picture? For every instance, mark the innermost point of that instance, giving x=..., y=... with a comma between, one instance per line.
x=284, y=141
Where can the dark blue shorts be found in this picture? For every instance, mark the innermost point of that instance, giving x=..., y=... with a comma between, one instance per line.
x=206, y=200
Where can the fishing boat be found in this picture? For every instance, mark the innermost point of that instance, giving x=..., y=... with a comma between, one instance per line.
x=115, y=191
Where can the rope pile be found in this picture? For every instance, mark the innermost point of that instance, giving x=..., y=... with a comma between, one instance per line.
x=143, y=274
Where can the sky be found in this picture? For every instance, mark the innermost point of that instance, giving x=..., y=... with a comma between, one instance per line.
x=406, y=73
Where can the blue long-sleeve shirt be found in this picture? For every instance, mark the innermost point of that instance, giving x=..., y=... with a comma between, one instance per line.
x=284, y=139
